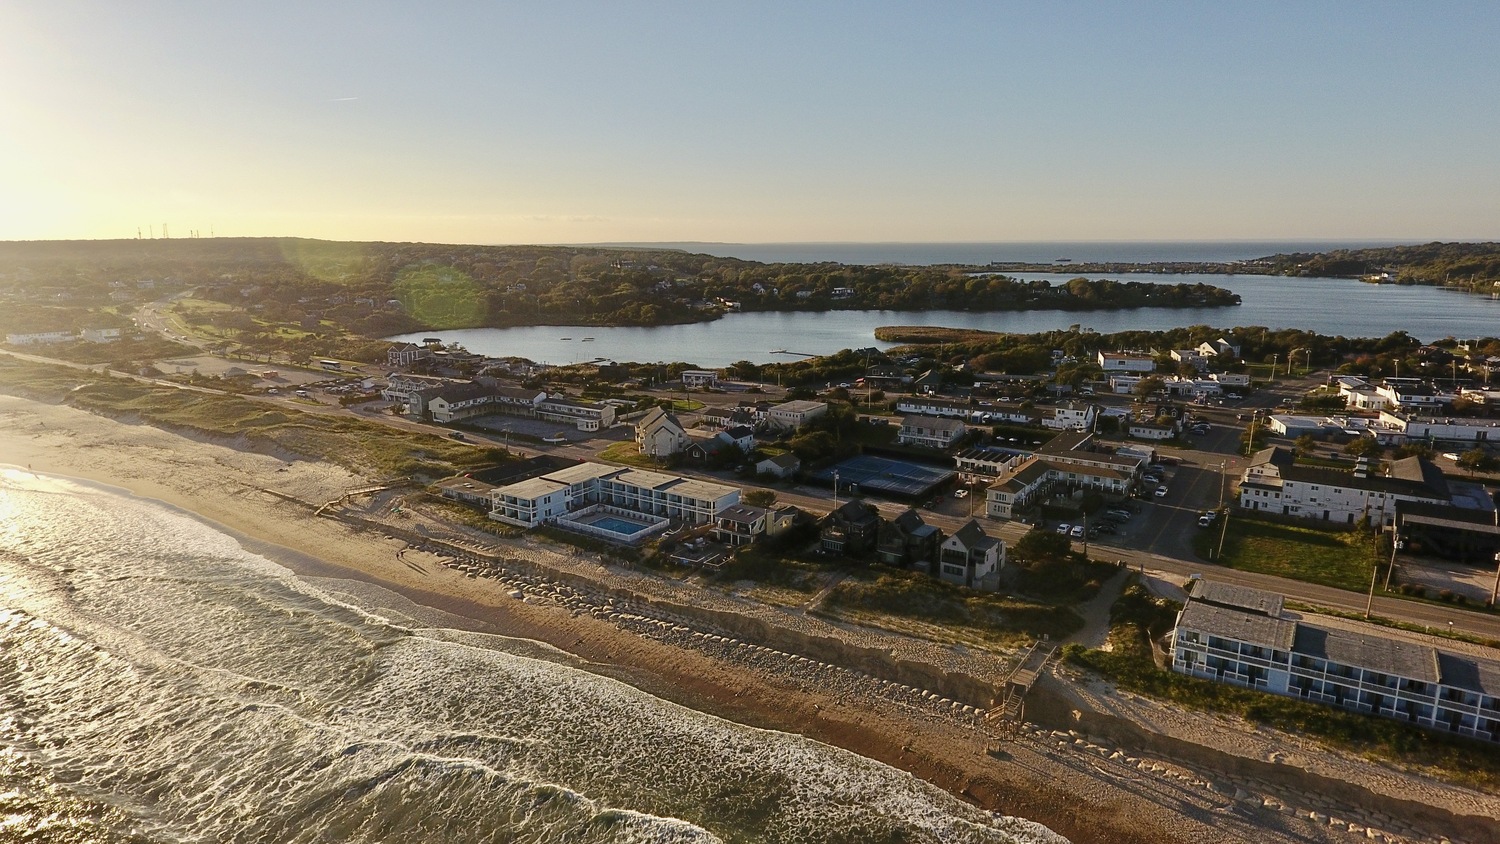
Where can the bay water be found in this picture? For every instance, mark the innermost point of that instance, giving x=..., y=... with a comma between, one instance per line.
x=1333, y=306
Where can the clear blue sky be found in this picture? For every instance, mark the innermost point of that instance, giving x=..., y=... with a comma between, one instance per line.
x=556, y=122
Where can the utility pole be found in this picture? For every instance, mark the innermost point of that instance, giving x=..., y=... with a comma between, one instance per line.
x=1495, y=592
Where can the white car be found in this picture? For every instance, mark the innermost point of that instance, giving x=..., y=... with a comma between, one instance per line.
x=1161, y=492
x=960, y=493
x=1064, y=528
x=1076, y=532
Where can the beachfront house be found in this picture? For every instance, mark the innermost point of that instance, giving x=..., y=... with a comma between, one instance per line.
x=972, y=558
x=851, y=530
x=908, y=541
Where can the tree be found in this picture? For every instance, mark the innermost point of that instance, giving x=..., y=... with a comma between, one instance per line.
x=1149, y=386
x=1477, y=460
x=759, y=497
x=1364, y=447
x=1304, y=445
x=1415, y=449
x=1042, y=548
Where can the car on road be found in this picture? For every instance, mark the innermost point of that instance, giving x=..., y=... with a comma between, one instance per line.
x=1064, y=528
x=1076, y=532
x=1119, y=512
x=1161, y=492
x=960, y=493
x=1207, y=517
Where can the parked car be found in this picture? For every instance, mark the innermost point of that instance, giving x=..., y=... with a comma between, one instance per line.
x=1076, y=532
x=960, y=493
x=1161, y=492
x=1064, y=528
x=1105, y=527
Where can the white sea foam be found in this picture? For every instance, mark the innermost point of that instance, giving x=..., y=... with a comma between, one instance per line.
x=157, y=664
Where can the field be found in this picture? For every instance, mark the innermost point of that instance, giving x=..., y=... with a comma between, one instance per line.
x=1342, y=559
x=918, y=604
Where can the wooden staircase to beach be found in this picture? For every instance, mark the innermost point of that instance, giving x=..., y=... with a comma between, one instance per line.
x=1010, y=708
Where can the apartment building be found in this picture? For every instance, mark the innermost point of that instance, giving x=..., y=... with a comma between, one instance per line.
x=1275, y=483
x=1246, y=637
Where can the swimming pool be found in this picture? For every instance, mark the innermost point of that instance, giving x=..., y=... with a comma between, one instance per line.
x=615, y=524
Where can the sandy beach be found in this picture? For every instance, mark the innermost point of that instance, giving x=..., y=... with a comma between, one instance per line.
x=1079, y=784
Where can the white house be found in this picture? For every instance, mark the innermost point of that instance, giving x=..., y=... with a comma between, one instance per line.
x=794, y=414
x=971, y=558
x=1231, y=379
x=659, y=434
x=781, y=466
x=1151, y=431
x=1070, y=416
x=1120, y=362
x=930, y=431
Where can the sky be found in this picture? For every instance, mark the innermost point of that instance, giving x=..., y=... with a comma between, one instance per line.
x=578, y=122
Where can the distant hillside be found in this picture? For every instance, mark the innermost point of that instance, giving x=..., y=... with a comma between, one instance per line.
x=377, y=289
x=1471, y=265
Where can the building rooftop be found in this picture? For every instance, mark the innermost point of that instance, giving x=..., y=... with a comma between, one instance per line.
x=533, y=488
x=1265, y=631
x=582, y=472
x=1239, y=597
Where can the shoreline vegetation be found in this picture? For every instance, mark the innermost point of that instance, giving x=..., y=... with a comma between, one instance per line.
x=287, y=288
x=283, y=291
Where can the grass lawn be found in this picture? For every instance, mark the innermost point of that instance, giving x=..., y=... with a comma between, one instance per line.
x=1331, y=558
x=629, y=453
x=918, y=604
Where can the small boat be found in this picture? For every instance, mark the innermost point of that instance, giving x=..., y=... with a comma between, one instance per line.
x=587, y=340
x=565, y=338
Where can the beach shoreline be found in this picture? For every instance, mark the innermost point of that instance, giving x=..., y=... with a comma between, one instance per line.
x=224, y=483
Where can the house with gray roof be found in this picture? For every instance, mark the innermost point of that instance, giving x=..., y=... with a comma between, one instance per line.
x=907, y=540
x=1275, y=482
x=1244, y=636
x=972, y=558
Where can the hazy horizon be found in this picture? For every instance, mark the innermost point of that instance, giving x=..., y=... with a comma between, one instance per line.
x=557, y=124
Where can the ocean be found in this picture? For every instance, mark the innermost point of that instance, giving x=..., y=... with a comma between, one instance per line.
x=1043, y=252
x=160, y=683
